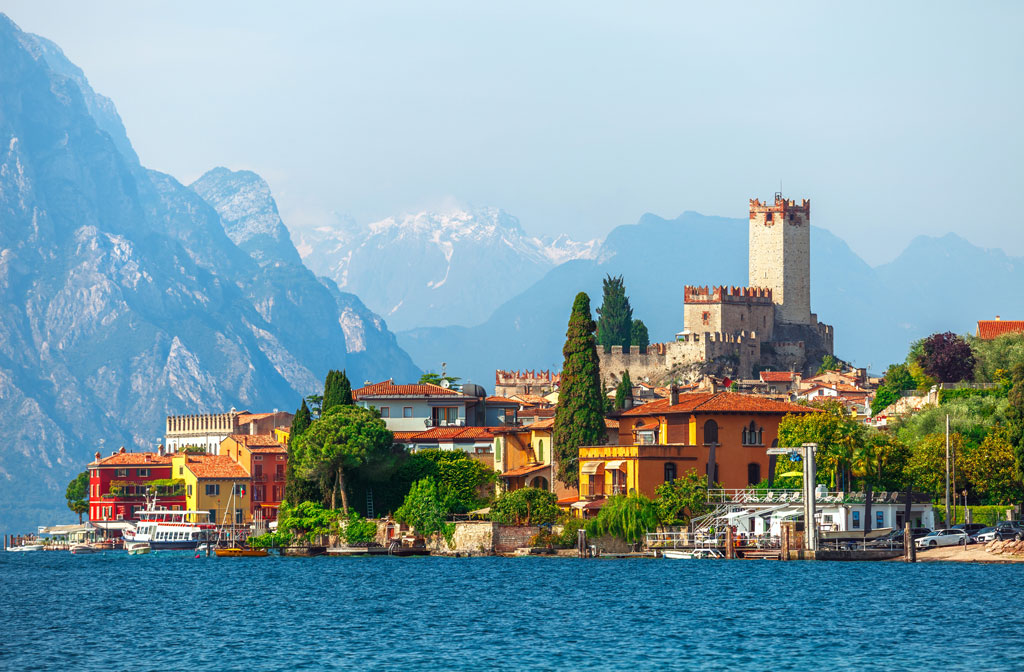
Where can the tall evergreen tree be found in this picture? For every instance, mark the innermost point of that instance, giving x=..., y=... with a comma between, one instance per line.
x=579, y=417
x=337, y=391
x=297, y=489
x=638, y=335
x=615, y=320
x=623, y=392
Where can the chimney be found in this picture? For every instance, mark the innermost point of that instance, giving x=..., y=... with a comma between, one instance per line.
x=97, y=454
x=997, y=318
x=121, y=450
x=673, y=394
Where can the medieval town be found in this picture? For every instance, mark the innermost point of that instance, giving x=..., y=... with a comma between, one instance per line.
x=744, y=435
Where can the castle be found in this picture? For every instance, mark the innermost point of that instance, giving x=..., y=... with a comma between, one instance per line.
x=734, y=330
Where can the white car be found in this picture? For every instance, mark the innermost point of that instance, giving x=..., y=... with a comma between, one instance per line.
x=943, y=538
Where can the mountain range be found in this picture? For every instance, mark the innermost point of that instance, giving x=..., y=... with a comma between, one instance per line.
x=127, y=296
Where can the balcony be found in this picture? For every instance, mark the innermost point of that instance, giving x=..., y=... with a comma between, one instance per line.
x=259, y=478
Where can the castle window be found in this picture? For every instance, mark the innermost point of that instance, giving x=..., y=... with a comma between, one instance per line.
x=710, y=432
x=706, y=317
x=752, y=434
x=768, y=217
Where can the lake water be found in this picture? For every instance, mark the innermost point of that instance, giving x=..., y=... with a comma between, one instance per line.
x=170, y=611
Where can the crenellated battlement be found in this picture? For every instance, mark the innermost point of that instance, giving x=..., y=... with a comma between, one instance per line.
x=727, y=294
x=529, y=381
x=781, y=205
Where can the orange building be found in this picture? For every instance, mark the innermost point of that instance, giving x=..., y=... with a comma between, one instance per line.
x=265, y=459
x=726, y=432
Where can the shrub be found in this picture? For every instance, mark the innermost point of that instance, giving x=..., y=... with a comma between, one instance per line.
x=526, y=506
x=358, y=529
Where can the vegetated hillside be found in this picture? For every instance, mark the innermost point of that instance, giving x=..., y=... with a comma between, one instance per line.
x=937, y=284
x=125, y=300
x=436, y=268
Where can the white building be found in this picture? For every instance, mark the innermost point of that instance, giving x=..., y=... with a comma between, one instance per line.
x=207, y=430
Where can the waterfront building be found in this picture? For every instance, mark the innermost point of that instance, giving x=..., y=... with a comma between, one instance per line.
x=990, y=329
x=208, y=430
x=724, y=433
x=477, y=442
x=120, y=482
x=215, y=483
x=265, y=458
x=417, y=407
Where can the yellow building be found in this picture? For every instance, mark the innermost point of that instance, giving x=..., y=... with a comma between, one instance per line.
x=215, y=483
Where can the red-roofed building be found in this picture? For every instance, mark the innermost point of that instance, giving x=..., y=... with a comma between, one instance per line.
x=265, y=459
x=990, y=329
x=477, y=442
x=217, y=484
x=415, y=407
x=119, y=483
x=726, y=432
x=207, y=430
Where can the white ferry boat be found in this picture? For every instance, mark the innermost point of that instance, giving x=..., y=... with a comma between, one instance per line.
x=168, y=529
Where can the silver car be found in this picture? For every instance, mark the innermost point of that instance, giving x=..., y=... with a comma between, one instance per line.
x=943, y=538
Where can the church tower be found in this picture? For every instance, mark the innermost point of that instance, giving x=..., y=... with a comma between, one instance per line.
x=780, y=256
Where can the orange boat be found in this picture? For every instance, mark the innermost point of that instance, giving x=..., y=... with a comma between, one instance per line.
x=240, y=553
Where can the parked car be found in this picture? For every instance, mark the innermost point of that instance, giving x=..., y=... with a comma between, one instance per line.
x=969, y=528
x=943, y=538
x=1011, y=529
x=988, y=534
x=895, y=538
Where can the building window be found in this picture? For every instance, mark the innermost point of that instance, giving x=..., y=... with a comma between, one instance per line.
x=212, y=489
x=238, y=517
x=213, y=515
x=710, y=433
x=645, y=438
x=407, y=412
x=258, y=492
x=280, y=471
x=752, y=435
x=189, y=489
x=257, y=458
x=144, y=473
x=856, y=520
x=753, y=473
x=121, y=473
x=670, y=472
x=444, y=415
x=497, y=449
x=879, y=519
x=385, y=411
x=706, y=317
x=540, y=450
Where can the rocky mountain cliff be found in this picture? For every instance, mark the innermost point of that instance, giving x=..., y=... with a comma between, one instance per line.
x=936, y=284
x=126, y=296
x=455, y=266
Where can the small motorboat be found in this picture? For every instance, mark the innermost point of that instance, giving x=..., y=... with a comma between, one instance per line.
x=695, y=554
x=25, y=548
x=83, y=549
x=137, y=547
x=241, y=552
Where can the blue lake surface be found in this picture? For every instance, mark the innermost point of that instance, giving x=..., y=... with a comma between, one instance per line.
x=170, y=611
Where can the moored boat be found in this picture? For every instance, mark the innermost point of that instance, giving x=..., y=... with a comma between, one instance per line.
x=83, y=549
x=167, y=529
x=26, y=548
x=241, y=552
x=137, y=547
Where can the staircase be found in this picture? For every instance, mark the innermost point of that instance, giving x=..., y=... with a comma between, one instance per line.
x=369, y=502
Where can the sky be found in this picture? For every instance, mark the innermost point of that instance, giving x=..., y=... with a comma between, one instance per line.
x=895, y=119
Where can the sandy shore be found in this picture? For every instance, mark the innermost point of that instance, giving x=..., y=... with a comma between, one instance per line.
x=972, y=553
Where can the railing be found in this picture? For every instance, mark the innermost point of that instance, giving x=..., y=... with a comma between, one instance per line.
x=788, y=496
x=259, y=478
x=279, y=478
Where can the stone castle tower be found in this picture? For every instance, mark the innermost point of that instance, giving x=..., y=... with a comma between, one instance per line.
x=780, y=256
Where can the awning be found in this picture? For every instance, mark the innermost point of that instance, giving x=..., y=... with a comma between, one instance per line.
x=612, y=466
x=523, y=471
x=590, y=467
x=588, y=506
x=114, y=524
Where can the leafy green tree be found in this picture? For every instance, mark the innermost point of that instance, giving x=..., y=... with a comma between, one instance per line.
x=830, y=363
x=296, y=488
x=996, y=357
x=623, y=392
x=337, y=391
x=628, y=517
x=837, y=434
x=525, y=506
x=897, y=379
x=680, y=500
x=305, y=523
x=315, y=405
x=579, y=416
x=422, y=508
x=461, y=480
x=615, y=321
x=77, y=493
x=432, y=378
x=357, y=529
x=947, y=358
x=344, y=438
x=990, y=468
x=880, y=460
x=638, y=335
x=1015, y=418
x=926, y=468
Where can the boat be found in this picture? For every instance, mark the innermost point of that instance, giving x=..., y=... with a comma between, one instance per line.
x=83, y=549
x=236, y=552
x=168, y=529
x=695, y=554
x=137, y=547
x=26, y=548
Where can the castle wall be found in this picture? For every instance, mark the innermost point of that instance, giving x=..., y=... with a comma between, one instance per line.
x=780, y=256
x=729, y=310
x=743, y=351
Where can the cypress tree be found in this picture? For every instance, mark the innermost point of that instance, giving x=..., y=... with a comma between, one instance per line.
x=337, y=391
x=579, y=417
x=297, y=489
x=623, y=391
x=615, y=319
x=638, y=335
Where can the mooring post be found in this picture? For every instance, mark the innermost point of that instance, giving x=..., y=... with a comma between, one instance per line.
x=909, y=549
x=730, y=543
x=784, y=533
x=581, y=542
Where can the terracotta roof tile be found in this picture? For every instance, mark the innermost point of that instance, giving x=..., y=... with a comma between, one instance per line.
x=388, y=388
x=245, y=418
x=778, y=376
x=719, y=402
x=448, y=434
x=214, y=466
x=256, y=440
x=131, y=460
x=523, y=471
x=501, y=401
x=537, y=413
x=989, y=329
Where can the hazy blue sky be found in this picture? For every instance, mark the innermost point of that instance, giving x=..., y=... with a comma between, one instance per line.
x=896, y=119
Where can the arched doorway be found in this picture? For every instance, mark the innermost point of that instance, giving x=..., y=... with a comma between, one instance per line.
x=540, y=483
